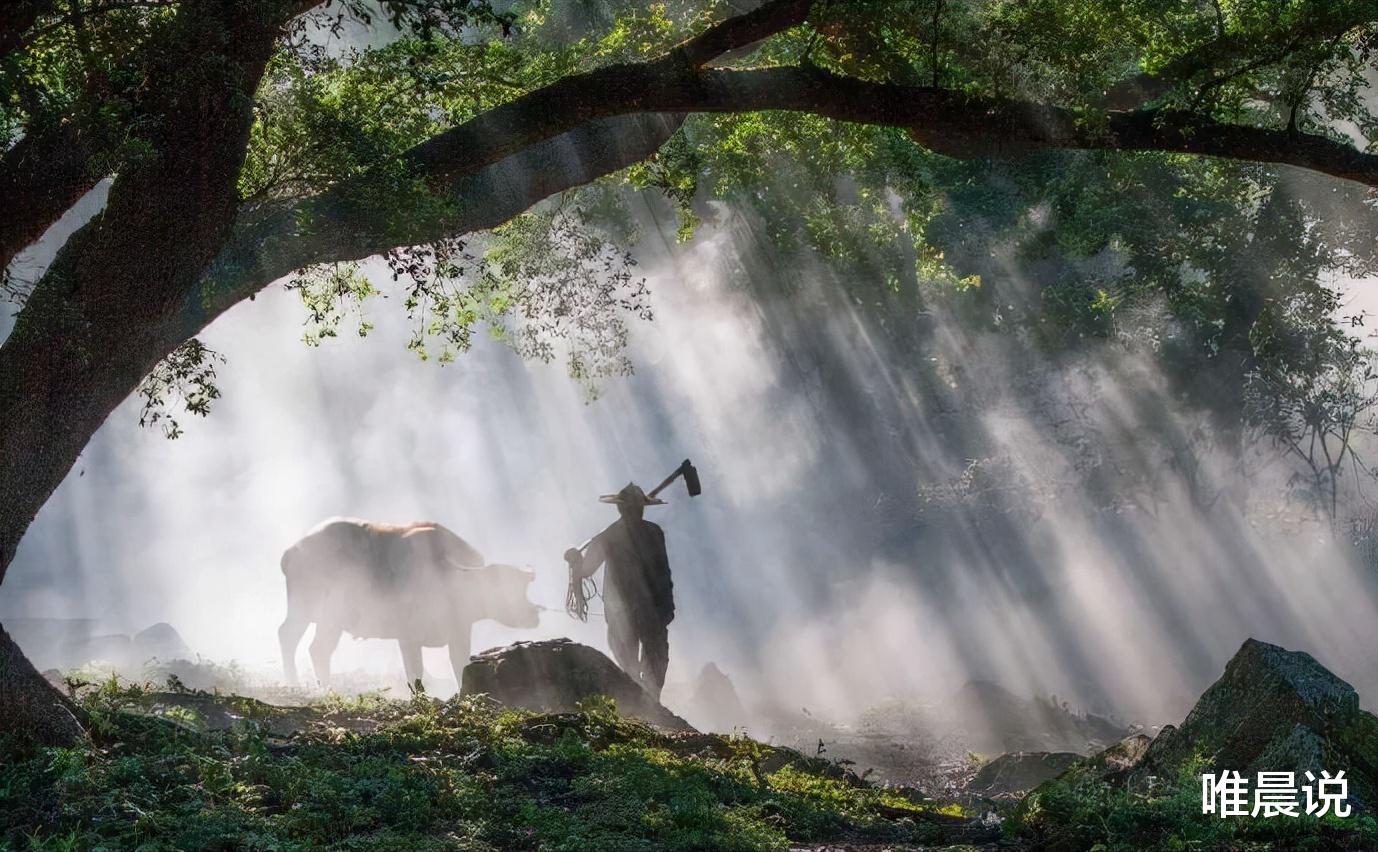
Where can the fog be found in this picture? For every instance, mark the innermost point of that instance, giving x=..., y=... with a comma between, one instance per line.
x=885, y=513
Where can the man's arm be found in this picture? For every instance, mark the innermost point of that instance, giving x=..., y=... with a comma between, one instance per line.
x=592, y=559
x=585, y=563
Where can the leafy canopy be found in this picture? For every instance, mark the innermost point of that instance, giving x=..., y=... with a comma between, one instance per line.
x=1196, y=258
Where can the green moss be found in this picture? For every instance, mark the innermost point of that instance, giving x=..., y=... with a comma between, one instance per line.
x=1079, y=811
x=427, y=775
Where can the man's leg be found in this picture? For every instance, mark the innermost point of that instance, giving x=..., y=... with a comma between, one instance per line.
x=622, y=642
x=655, y=656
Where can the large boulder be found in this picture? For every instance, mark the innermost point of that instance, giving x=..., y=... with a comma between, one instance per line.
x=68, y=643
x=1274, y=710
x=49, y=642
x=161, y=641
x=1020, y=772
x=995, y=720
x=713, y=703
x=553, y=676
x=1117, y=763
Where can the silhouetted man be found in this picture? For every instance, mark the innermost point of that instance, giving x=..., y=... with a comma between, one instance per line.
x=638, y=597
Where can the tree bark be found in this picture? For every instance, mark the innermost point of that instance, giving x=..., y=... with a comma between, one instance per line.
x=97, y=322
x=41, y=177
x=47, y=716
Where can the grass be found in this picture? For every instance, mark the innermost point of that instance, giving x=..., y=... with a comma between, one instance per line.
x=1079, y=811
x=425, y=774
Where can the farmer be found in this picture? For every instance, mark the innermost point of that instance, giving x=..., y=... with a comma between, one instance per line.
x=638, y=597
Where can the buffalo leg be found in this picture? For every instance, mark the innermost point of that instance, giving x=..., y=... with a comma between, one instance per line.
x=411, y=661
x=459, y=657
x=322, y=648
x=289, y=636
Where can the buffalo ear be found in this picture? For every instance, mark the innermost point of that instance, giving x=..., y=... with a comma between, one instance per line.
x=505, y=572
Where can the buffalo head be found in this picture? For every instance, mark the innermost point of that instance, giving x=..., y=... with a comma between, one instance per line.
x=498, y=592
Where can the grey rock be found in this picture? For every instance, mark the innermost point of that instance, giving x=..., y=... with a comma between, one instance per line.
x=998, y=721
x=553, y=676
x=161, y=641
x=1019, y=772
x=1274, y=710
x=713, y=702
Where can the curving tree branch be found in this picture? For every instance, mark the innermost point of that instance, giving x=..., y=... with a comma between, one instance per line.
x=41, y=177
x=341, y=225
x=492, y=167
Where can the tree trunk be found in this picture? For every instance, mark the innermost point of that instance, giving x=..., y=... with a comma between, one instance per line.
x=106, y=310
x=58, y=384
x=54, y=394
x=31, y=708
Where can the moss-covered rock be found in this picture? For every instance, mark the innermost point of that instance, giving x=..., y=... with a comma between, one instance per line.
x=1019, y=772
x=1116, y=763
x=1274, y=710
x=556, y=676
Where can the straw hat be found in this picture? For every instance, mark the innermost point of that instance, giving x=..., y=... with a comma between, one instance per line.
x=632, y=495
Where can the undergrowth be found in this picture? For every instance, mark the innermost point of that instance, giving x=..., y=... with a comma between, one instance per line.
x=1080, y=811
x=429, y=775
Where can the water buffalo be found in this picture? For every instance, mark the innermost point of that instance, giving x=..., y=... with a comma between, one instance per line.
x=417, y=583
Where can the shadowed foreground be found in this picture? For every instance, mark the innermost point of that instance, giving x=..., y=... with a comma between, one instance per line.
x=190, y=769
x=200, y=771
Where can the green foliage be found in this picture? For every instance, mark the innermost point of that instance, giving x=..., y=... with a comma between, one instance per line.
x=564, y=281
x=1314, y=407
x=552, y=283
x=426, y=775
x=1079, y=811
x=330, y=293
x=1064, y=247
x=674, y=170
x=332, y=116
x=428, y=20
x=1214, y=268
x=185, y=381
x=64, y=53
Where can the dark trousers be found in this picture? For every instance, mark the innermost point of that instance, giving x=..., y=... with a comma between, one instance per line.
x=641, y=648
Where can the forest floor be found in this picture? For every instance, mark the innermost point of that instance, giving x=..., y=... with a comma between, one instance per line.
x=175, y=768
x=194, y=770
